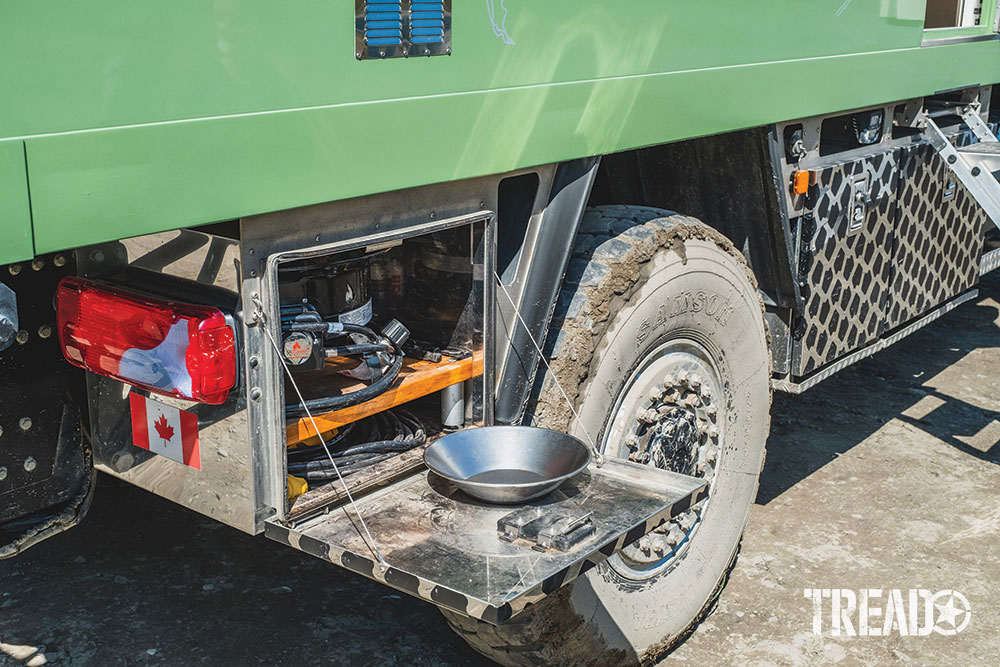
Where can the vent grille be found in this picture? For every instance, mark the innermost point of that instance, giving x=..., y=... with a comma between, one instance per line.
x=384, y=23
x=386, y=29
x=427, y=23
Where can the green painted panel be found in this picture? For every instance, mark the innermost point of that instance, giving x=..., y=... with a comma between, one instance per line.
x=140, y=116
x=15, y=213
x=78, y=64
x=101, y=185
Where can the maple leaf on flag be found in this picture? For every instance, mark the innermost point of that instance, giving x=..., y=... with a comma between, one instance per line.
x=163, y=429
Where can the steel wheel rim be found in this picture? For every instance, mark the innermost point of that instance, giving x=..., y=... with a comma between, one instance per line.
x=668, y=414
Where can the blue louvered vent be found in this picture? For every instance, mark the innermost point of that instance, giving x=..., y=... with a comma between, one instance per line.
x=403, y=29
x=384, y=23
x=426, y=22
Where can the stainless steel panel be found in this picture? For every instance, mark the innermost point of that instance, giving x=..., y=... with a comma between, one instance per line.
x=443, y=547
x=229, y=485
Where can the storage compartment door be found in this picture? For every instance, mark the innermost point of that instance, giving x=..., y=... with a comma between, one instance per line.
x=444, y=547
x=939, y=236
x=844, y=260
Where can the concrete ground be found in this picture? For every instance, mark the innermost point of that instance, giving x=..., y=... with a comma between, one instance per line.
x=884, y=477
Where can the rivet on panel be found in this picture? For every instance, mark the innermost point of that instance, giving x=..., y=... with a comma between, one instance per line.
x=44, y=331
x=14, y=269
x=30, y=464
x=25, y=423
x=38, y=264
x=22, y=337
x=255, y=394
x=59, y=260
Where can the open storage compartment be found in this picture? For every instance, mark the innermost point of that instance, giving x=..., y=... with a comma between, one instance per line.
x=410, y=314
x=386, y=344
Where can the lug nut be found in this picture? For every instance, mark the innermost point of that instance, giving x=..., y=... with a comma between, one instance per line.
x=632, y=441
x=694, y=381
x=669, y=380
x=656, y=393
x=713, y=432
x=711, y=411
x=712, y=454
x=691, y=400
x=682, y=377
x=706, y=392
x=649, y=416
x=674, y=535
x=671, y=396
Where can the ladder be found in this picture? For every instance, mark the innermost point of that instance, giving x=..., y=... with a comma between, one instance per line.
x=977, y=166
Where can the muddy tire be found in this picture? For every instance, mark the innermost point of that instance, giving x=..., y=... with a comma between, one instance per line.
x=659, y=316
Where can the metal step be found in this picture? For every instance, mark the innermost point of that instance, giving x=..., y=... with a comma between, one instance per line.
x=446, y=548
x=974, y=165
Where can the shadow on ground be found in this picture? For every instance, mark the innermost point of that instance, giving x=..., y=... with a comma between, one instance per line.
x=810, y=430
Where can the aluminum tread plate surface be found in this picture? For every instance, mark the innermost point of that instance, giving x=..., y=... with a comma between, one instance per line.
x=443, y=547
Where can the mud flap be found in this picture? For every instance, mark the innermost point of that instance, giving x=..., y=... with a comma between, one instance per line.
x=38, y=510
x=46, y=468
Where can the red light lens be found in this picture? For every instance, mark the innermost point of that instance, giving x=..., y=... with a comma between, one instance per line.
x=167, y=348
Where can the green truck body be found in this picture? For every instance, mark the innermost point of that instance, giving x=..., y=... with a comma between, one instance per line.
x=119, y=119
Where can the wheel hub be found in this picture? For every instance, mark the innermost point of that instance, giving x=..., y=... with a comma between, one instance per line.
x=668, y=417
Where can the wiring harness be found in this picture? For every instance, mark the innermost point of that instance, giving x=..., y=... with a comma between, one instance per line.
x=359, y=445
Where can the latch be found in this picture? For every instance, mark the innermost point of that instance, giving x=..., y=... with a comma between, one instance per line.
x=544, y=528
x=860, y=198
x=950, y=189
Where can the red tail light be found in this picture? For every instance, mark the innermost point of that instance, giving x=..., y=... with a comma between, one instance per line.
x=168, y=348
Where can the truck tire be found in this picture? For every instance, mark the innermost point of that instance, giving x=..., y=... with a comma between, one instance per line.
x=658, y=312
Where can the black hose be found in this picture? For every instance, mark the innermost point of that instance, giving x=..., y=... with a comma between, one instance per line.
x=384, y=435
x=331, y=403
x=330, y=474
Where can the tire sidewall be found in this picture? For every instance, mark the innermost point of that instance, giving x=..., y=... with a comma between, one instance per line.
x=703, y=295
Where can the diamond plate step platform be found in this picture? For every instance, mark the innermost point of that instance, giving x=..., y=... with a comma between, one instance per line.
x=444, y=547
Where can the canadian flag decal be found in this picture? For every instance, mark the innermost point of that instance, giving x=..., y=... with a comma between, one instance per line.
x=165, y=430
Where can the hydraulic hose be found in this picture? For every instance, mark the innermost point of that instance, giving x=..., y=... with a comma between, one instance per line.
x=383, y=436
x=331, y=403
